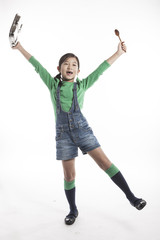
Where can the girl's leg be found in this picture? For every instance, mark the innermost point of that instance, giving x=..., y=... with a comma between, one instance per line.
x=101, y=159
x=69, y=187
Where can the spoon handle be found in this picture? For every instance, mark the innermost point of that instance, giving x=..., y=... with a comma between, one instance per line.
x=120, y=39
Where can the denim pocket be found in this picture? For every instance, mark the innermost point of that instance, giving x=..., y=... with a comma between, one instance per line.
x=58, y=135
x=85, y=131
x=85, y=127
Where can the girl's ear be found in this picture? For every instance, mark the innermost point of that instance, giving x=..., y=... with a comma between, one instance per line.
x=78, y=70
x=58, y=69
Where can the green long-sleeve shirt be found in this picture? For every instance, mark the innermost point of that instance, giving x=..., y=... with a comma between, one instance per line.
x=66, y=90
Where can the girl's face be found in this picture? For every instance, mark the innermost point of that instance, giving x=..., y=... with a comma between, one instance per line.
x=69, y=69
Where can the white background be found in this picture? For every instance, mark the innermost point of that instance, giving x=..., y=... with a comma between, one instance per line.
x=122, y=107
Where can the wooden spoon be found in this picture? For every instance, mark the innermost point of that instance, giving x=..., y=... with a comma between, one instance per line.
x=117, y=34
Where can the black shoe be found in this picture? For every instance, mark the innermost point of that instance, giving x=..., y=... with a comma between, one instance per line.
x=70, y=218
x=139, y=204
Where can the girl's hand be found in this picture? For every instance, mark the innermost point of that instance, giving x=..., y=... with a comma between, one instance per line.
x=121, y=48
x=17, y=46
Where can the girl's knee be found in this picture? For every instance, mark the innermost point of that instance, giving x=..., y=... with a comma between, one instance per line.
x=69, y=175
x=69, y=178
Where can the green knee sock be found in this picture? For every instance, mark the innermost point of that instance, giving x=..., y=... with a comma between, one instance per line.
x=113, y=170
x=69, y=185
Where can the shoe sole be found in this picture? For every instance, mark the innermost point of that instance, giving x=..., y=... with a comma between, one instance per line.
x=141, y=205
x=70, y=220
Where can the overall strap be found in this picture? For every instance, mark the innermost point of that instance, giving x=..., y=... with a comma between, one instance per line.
x=76, y=106
x=58, y=99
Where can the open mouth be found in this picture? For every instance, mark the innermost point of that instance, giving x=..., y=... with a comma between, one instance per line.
x=69, y=73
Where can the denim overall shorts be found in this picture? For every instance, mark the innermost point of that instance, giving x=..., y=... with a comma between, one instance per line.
x=72, y=130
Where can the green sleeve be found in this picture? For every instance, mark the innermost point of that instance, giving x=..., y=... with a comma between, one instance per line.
x=93, y=77
x=45, y=76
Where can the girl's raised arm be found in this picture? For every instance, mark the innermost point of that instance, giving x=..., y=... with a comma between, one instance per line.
x=44, y=74
x=23, y=51
x=121, y=49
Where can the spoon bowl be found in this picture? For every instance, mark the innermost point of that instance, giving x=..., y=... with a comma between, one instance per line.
x=117, y=34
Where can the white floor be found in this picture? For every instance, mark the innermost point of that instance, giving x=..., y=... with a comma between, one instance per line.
x=33, y=206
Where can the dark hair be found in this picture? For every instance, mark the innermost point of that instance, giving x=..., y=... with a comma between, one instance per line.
x=62, y=59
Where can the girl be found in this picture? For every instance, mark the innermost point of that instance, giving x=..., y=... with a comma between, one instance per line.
x=72, y=129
